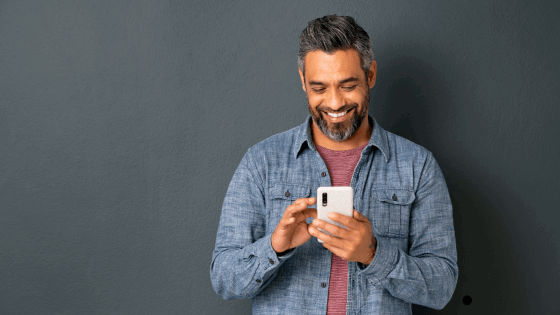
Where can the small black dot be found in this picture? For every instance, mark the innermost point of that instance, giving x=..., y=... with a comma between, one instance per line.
x=467, y=300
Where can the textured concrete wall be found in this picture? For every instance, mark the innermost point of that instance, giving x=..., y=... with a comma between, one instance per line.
x=122, y=122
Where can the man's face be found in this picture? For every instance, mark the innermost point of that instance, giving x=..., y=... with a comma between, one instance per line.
x=337, y=92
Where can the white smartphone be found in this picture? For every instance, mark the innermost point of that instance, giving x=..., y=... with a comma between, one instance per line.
x=334, y=199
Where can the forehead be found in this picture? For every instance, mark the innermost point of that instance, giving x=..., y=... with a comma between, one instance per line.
x=341, y=63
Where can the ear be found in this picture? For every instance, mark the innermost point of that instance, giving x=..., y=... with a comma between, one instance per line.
x=302, y=80
x=372, y=74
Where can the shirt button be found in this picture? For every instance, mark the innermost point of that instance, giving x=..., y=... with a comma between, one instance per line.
x=287, y=194
x=258, y=280
x=323, y=174
x=395, y=198
x=323, y=285
x=271, y=262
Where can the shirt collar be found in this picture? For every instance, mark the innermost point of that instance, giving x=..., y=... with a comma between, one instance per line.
x=378, y=138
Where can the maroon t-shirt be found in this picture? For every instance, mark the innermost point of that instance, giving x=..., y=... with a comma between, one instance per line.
x=341, y=165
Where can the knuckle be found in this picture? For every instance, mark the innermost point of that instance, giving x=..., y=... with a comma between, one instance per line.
x=337, y=231
x=358, y=235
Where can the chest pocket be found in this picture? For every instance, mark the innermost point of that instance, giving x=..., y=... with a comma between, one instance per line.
x=392, y=211
x=283, y=195
x=289, y=192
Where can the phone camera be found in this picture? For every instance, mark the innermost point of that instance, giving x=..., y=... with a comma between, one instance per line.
x=324, y=199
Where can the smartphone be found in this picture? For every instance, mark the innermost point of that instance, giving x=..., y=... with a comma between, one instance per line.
x=334, y=199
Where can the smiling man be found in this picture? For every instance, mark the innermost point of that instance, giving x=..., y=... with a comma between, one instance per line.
x=399, y=246
x=338, y=97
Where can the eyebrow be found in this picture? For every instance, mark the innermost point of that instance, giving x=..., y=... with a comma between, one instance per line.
x=350, y=79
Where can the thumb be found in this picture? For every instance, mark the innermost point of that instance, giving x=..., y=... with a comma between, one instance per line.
x=360, y=217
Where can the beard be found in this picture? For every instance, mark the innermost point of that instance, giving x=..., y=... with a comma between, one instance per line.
x=343, y=130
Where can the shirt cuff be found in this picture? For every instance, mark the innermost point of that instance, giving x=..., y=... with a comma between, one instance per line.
x=383, y=262
x=268, y=258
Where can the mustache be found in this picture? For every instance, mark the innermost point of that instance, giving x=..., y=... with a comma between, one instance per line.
x=340, y=110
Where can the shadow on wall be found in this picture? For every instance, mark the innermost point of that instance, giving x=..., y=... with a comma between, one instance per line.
x=412, y=99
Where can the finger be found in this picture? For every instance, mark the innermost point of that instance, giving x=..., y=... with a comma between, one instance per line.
x=335, y=250
x=308, y=201
x=331, y=228
x=298, y=206
x=293, y=217
x=287, y=223
x=310, y=213
x=299, y=218
x=360, y=217
x=347, y=221
x=332, y=240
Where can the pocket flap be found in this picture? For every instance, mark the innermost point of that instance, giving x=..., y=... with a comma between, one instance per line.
x=290, y=191
x=395, y=196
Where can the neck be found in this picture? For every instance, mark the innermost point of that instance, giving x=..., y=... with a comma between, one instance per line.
x=361, y=137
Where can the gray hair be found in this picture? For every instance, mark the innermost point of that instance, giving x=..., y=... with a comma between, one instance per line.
x=331, y=33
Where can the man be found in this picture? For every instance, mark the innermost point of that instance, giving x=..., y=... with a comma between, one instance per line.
x=399, y=246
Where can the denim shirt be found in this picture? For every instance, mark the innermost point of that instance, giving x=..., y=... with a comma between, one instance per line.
x=397, y=184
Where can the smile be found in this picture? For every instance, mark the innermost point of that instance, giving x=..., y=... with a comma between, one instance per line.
x=337, y=115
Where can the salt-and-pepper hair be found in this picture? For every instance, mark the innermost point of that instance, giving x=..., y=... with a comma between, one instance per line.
x=331, y=33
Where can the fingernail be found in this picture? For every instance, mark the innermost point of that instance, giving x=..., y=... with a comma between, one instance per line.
x=330, y=215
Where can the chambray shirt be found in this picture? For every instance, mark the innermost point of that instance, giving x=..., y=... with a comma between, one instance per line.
x=397, y=184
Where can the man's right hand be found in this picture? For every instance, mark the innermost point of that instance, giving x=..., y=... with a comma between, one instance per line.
x=292, y=231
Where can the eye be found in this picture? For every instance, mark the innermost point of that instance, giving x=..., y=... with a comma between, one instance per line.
x=318, y=90
x=349, y=88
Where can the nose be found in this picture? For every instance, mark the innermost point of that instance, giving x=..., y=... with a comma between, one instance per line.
x=334, y=100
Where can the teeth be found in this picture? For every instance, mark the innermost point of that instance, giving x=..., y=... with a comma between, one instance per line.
x=337, y=115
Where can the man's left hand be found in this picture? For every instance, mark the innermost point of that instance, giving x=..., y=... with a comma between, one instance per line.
x=356, y=243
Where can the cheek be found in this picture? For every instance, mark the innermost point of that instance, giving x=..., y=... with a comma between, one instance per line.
x=356, y=97
x=314, y=102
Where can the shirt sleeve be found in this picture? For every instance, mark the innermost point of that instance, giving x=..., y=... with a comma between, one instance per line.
x=243, y=261
x=426, y=274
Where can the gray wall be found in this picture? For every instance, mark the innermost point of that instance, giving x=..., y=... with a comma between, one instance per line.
x=122, y=122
